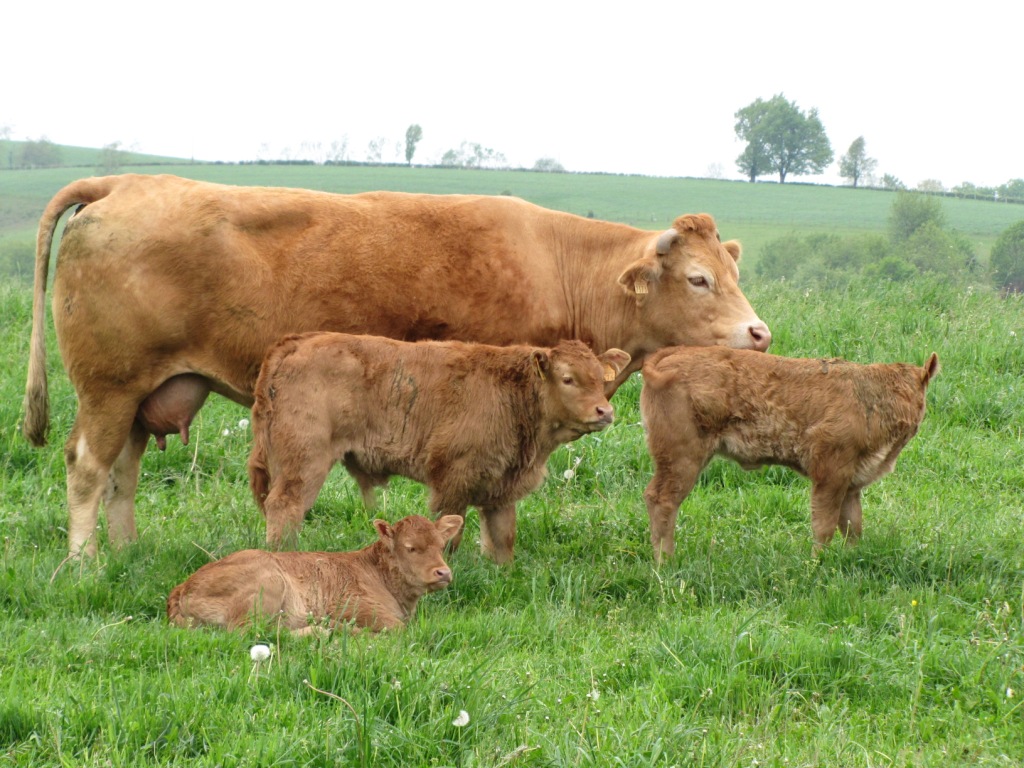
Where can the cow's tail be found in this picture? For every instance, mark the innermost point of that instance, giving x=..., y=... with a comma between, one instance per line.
x=37, y=400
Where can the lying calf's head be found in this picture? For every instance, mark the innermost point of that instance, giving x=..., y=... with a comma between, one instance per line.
x=415, y=544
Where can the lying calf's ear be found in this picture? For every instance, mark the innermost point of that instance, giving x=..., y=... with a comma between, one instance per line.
x=931, y=367
x=449, y=525
x=614, y=362
x=385, y=531
x=541, y=362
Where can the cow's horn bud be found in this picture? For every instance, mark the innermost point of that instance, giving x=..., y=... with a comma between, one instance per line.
x=665, y=241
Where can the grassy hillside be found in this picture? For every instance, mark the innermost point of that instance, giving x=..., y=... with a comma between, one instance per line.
x=742, y=650
x=752, y=213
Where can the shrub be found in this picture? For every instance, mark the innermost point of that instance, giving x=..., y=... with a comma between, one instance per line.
x=1007, y=260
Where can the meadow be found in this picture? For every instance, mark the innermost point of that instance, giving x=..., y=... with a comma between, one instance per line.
x=742, y=650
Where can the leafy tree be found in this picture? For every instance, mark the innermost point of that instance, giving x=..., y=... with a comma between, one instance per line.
x=40, y=154
x=1012, y=190
x=930, y=185
x=891, y=182
x=855, y=164
x=781, y=139
x=548, y=165
x=375, y=150
x=413, y=134
x=1007, y=259
x=472, y=155
x=912, y=211
x=111, y=158
x=6, y=153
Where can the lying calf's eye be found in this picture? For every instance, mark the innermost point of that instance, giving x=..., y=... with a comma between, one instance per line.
x=567, y=379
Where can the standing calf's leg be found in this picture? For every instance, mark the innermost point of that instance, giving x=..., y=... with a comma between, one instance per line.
x=498, y=532
x=850, y=516
x=827, y=499
x=672, y=482
x=291, y=494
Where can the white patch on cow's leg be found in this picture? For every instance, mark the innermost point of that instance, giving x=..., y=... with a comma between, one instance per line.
x=498, y=532
x=851, y=516
x=86, y=480
x=122, y=482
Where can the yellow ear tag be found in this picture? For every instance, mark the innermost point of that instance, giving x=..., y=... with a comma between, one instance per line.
x=609, y=373
x=640, y=286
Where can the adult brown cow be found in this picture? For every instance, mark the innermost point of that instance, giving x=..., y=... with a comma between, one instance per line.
x=159, y=277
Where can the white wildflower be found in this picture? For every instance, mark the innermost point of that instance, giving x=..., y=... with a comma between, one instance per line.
x=226, y=432
x=396, y=684
x=568, y=474
x=243, y=424
x=462, y=719
x=1009, y=693
x=594, y=695
x=259, y=652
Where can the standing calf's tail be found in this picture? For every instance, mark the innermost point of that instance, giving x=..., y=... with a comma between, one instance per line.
x=259, y=475
x=37, y=399
x=174, y=606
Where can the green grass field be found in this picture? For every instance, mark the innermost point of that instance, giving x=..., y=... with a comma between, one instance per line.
x=742, y=650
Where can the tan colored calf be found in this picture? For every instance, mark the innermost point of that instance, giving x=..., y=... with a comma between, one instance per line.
x=375, y=588
x=839, y=423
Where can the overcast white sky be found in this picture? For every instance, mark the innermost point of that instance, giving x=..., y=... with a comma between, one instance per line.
x=632, y=87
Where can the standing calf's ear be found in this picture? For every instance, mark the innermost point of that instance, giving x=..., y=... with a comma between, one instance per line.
x=614, y=362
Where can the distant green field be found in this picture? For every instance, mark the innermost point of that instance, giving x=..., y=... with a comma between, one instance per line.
x=752, y=213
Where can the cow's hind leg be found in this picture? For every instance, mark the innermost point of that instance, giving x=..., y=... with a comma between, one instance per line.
x=672, y=482
x=96, y=440
x=851, y=516
x=122, y=483
x=498, y=532
x=442, y=504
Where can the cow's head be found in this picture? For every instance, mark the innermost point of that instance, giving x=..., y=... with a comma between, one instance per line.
x=686, y=289
x=574, y=381
x=414, y=545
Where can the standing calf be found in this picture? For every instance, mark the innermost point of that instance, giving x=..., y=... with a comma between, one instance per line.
x=376, y=587
x=841, y=424
x=475, y=423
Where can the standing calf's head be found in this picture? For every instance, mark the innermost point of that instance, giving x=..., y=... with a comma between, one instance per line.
x=574, y=385
x=415, y=545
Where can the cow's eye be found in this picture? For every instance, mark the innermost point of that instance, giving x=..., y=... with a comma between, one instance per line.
x=567, y=380
x=698, y=281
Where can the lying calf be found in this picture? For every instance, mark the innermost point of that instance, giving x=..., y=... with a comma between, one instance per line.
x=475, y=423
x=376, y=587
x=841, y=424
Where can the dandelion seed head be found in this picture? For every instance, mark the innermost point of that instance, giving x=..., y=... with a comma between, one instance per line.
x=243, y=424
x=462, y=719
x=226, y=432
x=1009, y=693
x=569, y=474
x=259, y=652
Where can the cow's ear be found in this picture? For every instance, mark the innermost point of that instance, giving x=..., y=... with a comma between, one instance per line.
x=541, y=362
x=449, y=525
x=614, y=362
x=734, y=249
x=637, y=278
x=385, y=531
x=931, y=368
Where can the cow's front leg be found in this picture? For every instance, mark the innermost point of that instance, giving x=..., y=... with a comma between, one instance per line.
x=498, y=532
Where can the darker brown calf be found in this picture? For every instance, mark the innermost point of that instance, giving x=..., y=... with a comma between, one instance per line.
x=839, y=423
x=474, y=422
x=374, y=588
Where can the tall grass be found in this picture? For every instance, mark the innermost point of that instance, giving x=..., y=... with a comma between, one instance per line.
x=742, y=650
